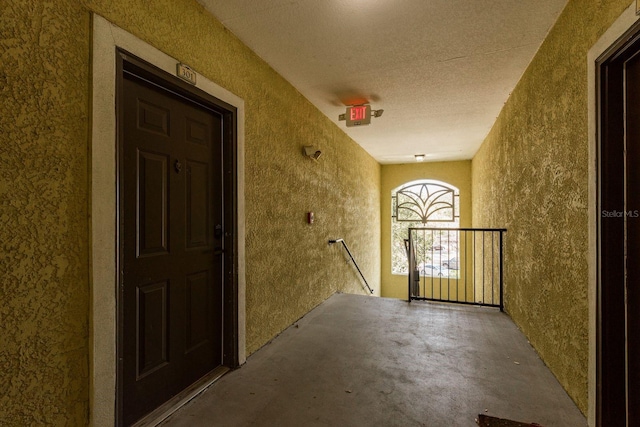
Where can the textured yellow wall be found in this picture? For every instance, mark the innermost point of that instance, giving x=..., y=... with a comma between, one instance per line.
x=44, y=290
x=454, y=173
x=290, y=268
x=531, y=176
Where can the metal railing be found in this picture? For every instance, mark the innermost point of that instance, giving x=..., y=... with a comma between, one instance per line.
x=461, y=265
x=352, y=259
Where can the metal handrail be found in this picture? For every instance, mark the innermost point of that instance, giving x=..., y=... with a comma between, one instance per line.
x=344, y=245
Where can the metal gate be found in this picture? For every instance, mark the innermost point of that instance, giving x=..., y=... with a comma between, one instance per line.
x=460, y=265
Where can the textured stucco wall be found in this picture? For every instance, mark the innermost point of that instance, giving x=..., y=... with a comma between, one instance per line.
x=455, y=173
x=44, y=292
x=531, y=176
x=290, y=268
x=44, y=193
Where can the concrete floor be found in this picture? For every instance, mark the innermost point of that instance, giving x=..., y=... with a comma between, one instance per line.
x=367, y=361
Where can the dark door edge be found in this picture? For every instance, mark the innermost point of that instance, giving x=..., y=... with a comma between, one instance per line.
x=610, y=322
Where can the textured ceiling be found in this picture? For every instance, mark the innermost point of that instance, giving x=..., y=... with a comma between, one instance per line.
x=440, y=69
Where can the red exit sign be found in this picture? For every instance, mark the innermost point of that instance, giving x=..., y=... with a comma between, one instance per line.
x=358, y=115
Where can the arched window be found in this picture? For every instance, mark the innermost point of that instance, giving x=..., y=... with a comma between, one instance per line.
x=422, y=203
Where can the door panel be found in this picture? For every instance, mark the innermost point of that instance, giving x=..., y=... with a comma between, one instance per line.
x=170, y=196
x=198, y=133
x=152, y=332
x=153, y=199
x=197, y=290
x=198, y=227
x=153, y=117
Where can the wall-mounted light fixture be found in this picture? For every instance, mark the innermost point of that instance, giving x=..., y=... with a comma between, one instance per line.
x=311, y=152
x=420, y=157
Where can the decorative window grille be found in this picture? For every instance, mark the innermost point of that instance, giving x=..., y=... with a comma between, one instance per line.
x=426, y=201
x=422, y=203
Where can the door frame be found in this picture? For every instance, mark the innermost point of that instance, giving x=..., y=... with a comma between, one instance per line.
x=611, y=40
x=104, y=278
x=171, y=84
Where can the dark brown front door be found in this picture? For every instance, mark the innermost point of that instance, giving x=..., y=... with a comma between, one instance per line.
x=618, y=367
x=171, y=207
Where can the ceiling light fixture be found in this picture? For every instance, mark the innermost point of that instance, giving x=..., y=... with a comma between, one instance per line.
x=420, y=157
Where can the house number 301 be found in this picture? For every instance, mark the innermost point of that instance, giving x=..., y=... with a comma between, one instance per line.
x=186, y=73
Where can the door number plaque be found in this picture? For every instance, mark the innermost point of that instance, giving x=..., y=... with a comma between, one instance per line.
x=186, y=73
